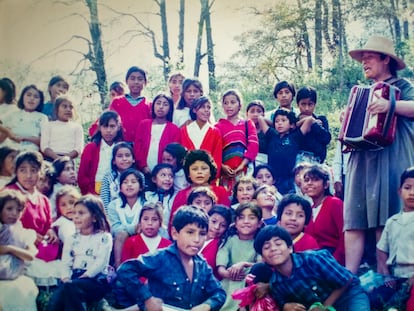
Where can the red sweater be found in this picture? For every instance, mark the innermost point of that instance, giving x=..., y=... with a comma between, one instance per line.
x=209, y=253
x=211, y=143
x=305, y=242
x=171, y=134
x=130, y=115
x=327, y=228
x=135, y=246
x=88, y=167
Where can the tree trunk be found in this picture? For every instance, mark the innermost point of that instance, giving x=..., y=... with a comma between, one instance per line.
x=198, y=56
x=96, y=56
x=325, y=29
x=318, y=36
x=212, y=83
x=304, y=43
x=406, y=33
x=165, y=44
x=396, y=23
x=181, y=35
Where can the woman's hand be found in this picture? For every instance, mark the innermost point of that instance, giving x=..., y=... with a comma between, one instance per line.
x=227, y=170
x=378, y=104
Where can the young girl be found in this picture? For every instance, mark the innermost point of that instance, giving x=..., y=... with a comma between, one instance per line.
x=263, y=175
x=66, y=198
x=57, y=86
x=148, y=238
x=116, y=89
x=46, y=179
x=202, y=197
x=122, y=159
x=220, y=218
x=162, y=189
x=265, y=198
x=123, y=213
x=155, y=134
x=7, y=108
x=240, y=144
x=132, y=107
x=191, y=90
x=64, y=173
x=174, y=154
x=7, y=156
x=237, y=254
x=36, y=214
x=26, y=123
x=18, y=292
x=243, y=191
x=63, y=136
x=199, y=133
x=294, y=213
x=85, y=258
x=327, y=222
x=175, y=86
x=96, y=157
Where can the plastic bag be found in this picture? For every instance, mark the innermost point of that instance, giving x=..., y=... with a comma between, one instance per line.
x=264, y=304
x=245, y=295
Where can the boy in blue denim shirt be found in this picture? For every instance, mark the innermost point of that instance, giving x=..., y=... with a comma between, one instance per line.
x=177, y=275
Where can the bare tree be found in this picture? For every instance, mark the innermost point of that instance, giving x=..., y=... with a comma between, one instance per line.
x=181, y=14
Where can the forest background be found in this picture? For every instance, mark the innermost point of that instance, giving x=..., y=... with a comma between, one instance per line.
x=245, y=44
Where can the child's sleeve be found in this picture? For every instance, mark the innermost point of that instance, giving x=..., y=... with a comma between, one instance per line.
x=103, y=253
x=252, y=146
x=67, y=258
x=214, y=291
x=113, y=217
x=223, y=255
x=44, y=136
x=106, y=191
x=78, y=143
x=383, y=243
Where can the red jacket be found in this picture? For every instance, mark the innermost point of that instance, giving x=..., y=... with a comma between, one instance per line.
x=171, y=134
x=88, y=167
x=135, y=246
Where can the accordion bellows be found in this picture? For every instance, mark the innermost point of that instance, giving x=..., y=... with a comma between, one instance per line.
x=362, y=130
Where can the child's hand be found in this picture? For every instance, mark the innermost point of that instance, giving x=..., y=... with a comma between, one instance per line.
x=250, y=278
x=51, y=236
x=237, y=272
x=293, y=306
x=202, y=307
x=153, y=304
x=262, y=289
x=227, y=170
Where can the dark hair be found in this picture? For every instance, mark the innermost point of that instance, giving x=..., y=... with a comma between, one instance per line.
x=226, y=212
x=34, y=158
x=154, y=172
x=9, y=90
x=319, y=173
x=4, y=152
x=47, y=171
x=20, y=102
x=284, y=85
x=136, y=69
x=7, y=195
x=257, y=103
x=235, y=93
x=170, y=101
x=179, y=152
x=59, y=101
x=393, y=65
x=306, y=92
x=59, y=166
x=104, y=119
x=199, y=155
x=197, y=105
x=201, y=191
x=186, y=84
x=269, y=232
x=118, y=87
x=157, y=207
x=261, y=188
x=140, y=178
x=95, y=206
x=188, y=214
x=285, y=112
x=408, y=173
x=66, y=190
x=56, y=79
x=243, y=180
x=297, y=199
x=260, y=167
x=120, y=145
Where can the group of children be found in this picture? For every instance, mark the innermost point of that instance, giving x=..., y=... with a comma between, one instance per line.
x=221, y=200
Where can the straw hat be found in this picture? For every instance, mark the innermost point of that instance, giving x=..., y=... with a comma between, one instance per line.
x=379, y=45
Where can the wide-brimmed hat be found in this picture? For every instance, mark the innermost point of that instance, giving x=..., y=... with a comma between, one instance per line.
x=378, y=44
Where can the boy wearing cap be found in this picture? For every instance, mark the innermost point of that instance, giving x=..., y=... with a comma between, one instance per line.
x=373, y=176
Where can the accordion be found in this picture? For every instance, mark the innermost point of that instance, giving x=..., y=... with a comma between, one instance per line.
x=362, y=130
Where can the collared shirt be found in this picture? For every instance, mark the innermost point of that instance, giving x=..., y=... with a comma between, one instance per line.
x=168, y=280
x=134, y=101
x=105, y=157
x=315, y=275
x=196, y=133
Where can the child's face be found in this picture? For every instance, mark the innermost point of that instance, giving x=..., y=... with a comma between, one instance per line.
x=68, y=175
x=109, y=131
x=199, y=173
x=123, y=159
x=204, y=202
x=284, y=97
x=293, y=219
x=161, y=107
x=31, y=99
x=44, y=185
x=266, y=198
x=189, y=239
x=306, y=106
x=136, y=83
x=231, y=106
x=169, y=159
x=203, y=112
x=150, y=223
x=83, y=219
x=190, y=94
x=217, y=225
x=275, y=252
x=57, y=89
x=9, y=164
x=264, y=177
x=299, y=178
x=130, y=186
x=407, y=194
x=164, y=179
x=66, y=205
x=176, y=85
x=254, y=112
x=11, y=212
x=282, y=124
x=28, y=176
x=65, y=111
x=314, y=187
x=245, y=192
x=247, y=224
